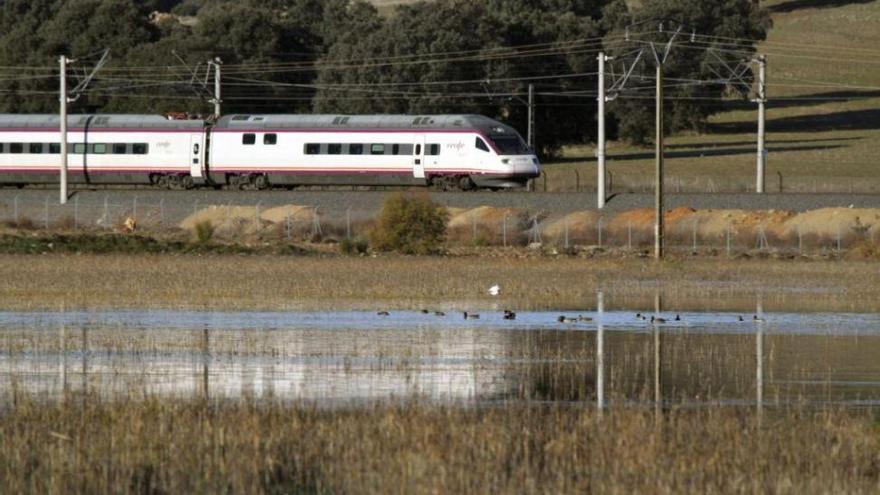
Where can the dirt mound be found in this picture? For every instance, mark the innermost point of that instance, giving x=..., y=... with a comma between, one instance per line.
x=828, y=222
x=296, y=213
x=580, y=224
x=220, y=216
x=246, y=219
x=484, y=216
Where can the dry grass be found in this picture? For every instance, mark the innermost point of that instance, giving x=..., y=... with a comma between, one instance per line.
x=393, y=282
x=84, y=445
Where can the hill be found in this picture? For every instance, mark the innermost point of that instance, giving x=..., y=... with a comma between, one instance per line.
x=823, y=121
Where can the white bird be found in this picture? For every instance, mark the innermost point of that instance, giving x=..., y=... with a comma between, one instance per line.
x=494, y=290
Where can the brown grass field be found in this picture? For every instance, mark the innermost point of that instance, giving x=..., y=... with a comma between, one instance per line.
x=230, y=282
x=84, y=445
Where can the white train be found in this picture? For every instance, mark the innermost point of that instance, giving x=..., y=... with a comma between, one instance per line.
x=258, y=151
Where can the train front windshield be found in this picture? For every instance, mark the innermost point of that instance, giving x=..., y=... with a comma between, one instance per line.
x=511, y=145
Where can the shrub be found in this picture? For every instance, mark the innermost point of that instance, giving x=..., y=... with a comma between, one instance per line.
x=358, y=245
x=410, y=224
x=204, y=231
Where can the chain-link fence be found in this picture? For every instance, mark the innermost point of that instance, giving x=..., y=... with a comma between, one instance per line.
x=717, y=232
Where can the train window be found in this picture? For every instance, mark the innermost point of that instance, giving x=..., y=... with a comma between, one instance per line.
x=55, y=148
x=140, y=148
x=482, y=146
x=377, y=149
x=2, y=147
x=98, y=149
x=433, y=149
x=79, y=148
x=118, y=148
x=16, y=148
x=36, y=148
x=270, y=139
x=248, y=139
x=418, y=149
x=313, y=149
x=395, y=149
x=334, y=149
x=355, y=149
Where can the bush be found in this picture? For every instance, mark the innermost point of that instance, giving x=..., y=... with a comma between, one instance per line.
x=358, y=245
x=204, y=231
x=410, y=224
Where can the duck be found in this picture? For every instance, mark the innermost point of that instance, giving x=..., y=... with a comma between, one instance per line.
x=584, y=318
x=383, y=313
x=566, y=319
x=509, y=315
x=657, y=320
x=471, y=316
x=756, y=318
x=425, y=311
x=677, y=317
x=641, y=317
x=439, y=313
x=740, y=318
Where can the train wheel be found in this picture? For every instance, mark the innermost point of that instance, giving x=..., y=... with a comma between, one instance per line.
x=261, y=182
x=466, y=183
x=187, y=182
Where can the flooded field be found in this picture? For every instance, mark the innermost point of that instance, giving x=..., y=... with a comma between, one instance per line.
x=607, y=357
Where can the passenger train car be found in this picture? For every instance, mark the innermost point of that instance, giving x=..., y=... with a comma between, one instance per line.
x=258, y=151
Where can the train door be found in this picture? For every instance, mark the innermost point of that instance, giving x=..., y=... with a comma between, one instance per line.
x=197, y=154
x=419, y=157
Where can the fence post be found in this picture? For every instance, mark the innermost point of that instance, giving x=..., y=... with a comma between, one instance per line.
x=599, y=225
x=106, y=216
x=473, y=227
x=15, y=208
x=545, y=180
x=257, y=217
x=800, y=240
x=629, y=236
x=577, y=181
x=504, y=229
x=838, y=239
x=728, y=240
x=348, y=223
x=695, y=236
x=76, y=211
x=565, y=225
x=162, y=212
x=134, y=207
x=288, y=225
x=46, y=214
x=779, y=174
x=316, y=223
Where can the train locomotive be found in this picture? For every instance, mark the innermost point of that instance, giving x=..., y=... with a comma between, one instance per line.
x=448, y=152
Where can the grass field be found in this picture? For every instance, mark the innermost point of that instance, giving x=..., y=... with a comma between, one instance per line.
x=82, y=445
x=823, y=52
x=228, y=282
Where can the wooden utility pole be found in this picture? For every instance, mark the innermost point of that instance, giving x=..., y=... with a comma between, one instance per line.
x=658, y=169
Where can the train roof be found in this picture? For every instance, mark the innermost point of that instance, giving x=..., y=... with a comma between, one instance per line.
x=97, y=121
x=391, y=122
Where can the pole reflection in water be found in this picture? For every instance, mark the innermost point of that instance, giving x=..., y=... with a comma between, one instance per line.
x=600, y=353
x=759, y=358
x=658, y=397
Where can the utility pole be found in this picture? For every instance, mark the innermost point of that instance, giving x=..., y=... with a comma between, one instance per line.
x=63, y=99
x=762, y=120
x=217, y=100
x=658, y=170
x=531, y=128
x=63, y=129
x=600, y=145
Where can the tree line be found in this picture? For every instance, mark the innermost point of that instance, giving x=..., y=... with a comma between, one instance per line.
x=342, y=56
